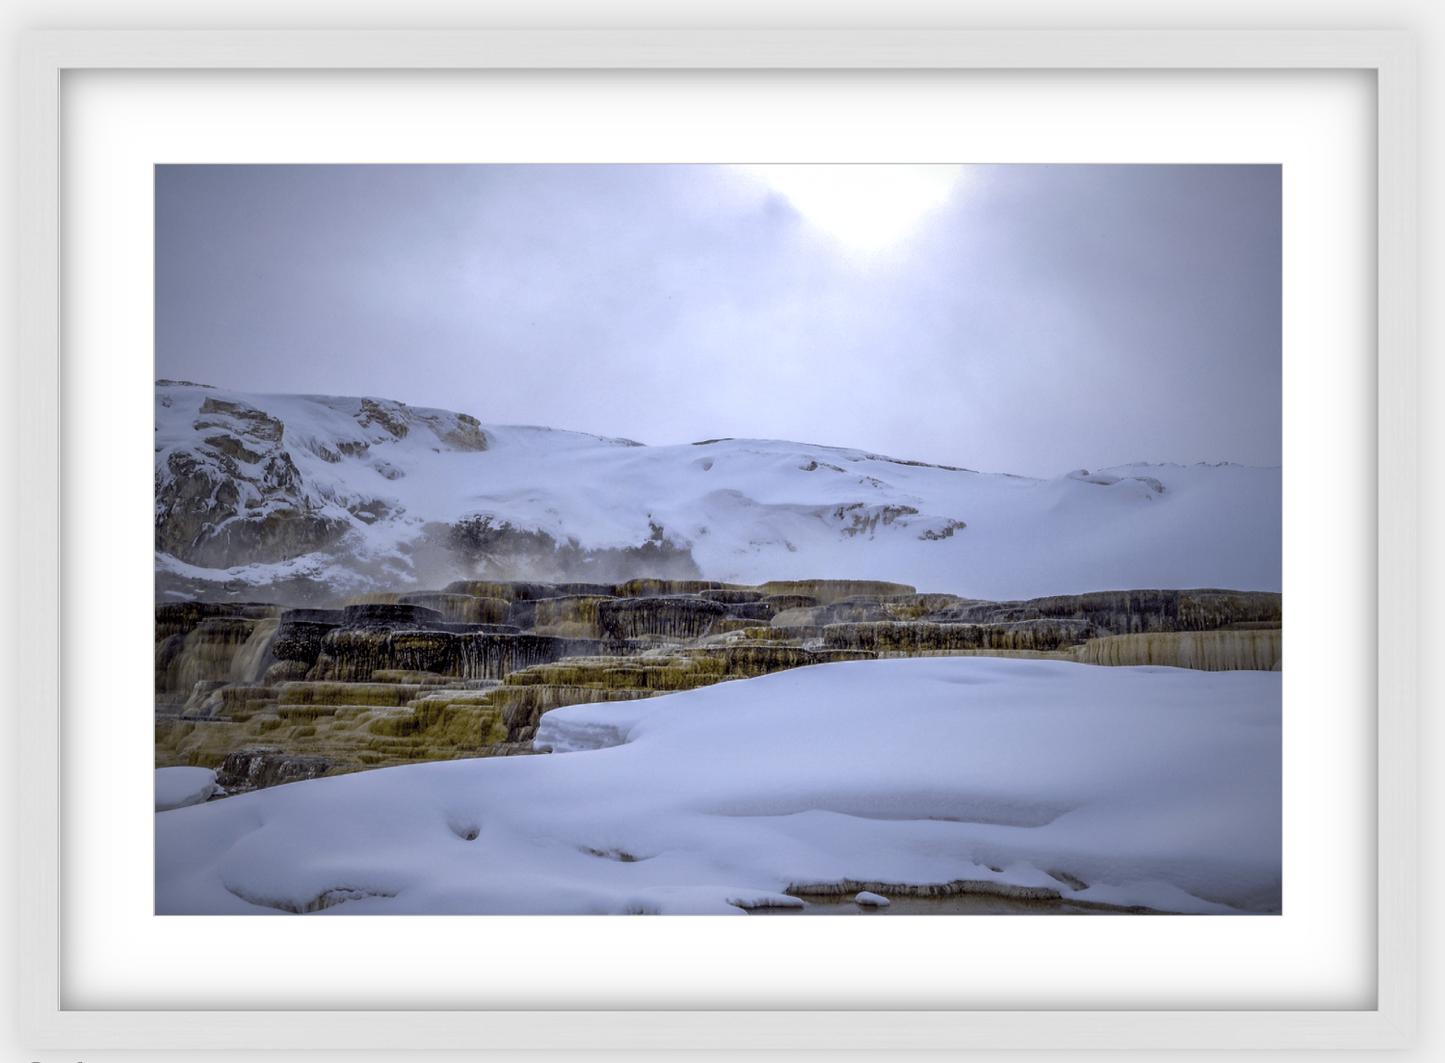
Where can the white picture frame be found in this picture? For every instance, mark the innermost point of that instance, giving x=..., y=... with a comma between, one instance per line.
x=1389, y=55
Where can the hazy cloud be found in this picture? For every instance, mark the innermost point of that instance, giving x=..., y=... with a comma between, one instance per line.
x=1038, y=319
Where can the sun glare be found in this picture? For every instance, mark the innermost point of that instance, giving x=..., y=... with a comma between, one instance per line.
x=867, y=207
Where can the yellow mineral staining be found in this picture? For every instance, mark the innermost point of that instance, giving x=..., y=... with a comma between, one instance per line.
x=459, y=608
x=386, y=598
x=1210, y=651
x=522, y=706
x=353, y=725
x=402, y=675
x=573, y=616
x=347, y=693
x=655, y=673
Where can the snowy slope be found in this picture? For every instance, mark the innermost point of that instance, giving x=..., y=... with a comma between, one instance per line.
x=350, y=492
x=1152, y=786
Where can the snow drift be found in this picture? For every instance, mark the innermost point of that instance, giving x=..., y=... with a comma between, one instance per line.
x=1133, y=786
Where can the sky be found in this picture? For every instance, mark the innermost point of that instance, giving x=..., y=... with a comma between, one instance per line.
x=1021, y=319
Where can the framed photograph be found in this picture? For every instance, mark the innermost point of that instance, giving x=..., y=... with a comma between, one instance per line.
x=110, y=118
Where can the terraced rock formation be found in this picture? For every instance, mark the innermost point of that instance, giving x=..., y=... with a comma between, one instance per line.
x=268, y=695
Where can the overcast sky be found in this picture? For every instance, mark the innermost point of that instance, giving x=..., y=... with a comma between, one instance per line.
x=1026, y=319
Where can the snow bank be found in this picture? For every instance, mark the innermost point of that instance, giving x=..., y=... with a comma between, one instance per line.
x=178, y=787
x=1151, y=786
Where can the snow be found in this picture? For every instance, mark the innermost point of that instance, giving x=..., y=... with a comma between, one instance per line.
x=754, y=510
x=871, y=900
x=178, y=787
x=1150, y=786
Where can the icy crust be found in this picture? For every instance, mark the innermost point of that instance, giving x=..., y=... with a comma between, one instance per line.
x=1130, y=786
x=561, y=731
x=374, y=479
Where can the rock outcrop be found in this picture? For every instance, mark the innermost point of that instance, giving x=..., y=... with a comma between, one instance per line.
x=230, y=488
x=236, y=493
x=255, y=769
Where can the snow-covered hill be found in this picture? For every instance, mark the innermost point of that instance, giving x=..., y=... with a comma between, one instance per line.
x=257, y=492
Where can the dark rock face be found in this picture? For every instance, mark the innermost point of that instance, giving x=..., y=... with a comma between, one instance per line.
x=676, y=618
x=300, y=640
x=314, y=616
x=256, y=769
x=351, y=655
x=354, y=654
x=181, y=618
x=913, y=637
x=350, y=643
x=425, y=651
x=388, y=617
x=762, y=658
x=495, y=656
x=779, y=602
x=732, y=596
x=1129, y=612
